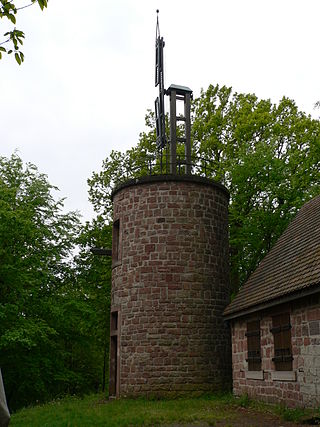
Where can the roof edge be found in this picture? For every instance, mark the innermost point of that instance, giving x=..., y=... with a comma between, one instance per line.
x=277, y=301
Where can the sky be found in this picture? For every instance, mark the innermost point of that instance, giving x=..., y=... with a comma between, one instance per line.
x=88, y=76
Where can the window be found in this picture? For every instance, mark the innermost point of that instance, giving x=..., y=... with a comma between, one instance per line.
x=114, y=321
x=116, y=241
x=281, y=330
x=253, y=341
x=114, y=354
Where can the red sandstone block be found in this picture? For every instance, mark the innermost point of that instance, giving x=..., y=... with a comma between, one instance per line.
x=297, y=320
x=268, y=352
x=313, y=314
x=151, y=199
x=306, y=341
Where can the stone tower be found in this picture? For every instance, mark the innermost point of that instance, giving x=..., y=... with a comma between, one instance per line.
x=170, y=285
x=170, y=276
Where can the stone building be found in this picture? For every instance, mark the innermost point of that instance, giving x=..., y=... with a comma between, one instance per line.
x=170, y=266
x=170, y=285
x=275, y=319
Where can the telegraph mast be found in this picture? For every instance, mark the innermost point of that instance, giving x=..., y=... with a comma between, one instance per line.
x=159, y=81
x=176, y=93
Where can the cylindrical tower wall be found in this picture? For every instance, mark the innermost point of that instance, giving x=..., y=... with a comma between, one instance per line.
x=170, y=285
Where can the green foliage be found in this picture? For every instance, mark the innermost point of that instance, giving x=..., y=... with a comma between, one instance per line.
x=291, y=414
x=47, y=344
x=93, y=277
x=9, y=11
x=117, y=166
x=267, y=155
x=244, y=401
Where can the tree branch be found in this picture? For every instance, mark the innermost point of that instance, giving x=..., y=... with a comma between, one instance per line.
x=6, y=41
x=23, y=7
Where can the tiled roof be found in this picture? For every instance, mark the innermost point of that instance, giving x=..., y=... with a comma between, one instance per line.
x=292, y=265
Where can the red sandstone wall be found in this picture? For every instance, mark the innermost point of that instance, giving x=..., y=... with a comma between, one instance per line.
x=171, y=286
x=304, y=390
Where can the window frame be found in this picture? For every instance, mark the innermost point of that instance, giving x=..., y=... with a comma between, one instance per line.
x=114, y=352
x=253, y=335
x=282, y=344
x=116, y=245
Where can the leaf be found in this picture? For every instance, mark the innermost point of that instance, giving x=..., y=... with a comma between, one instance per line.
x=12, y=18
x=41, y=4
x=2, y=49
x=19, y=33
x=18, y=59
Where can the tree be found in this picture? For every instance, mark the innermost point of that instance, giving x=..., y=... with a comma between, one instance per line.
x=119, y=166
x=36, y=244
x=9, y=11
x=93, y=276
x=267, y=155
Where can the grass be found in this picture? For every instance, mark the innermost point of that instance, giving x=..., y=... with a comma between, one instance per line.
x=294, y=415
x=95, y=410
